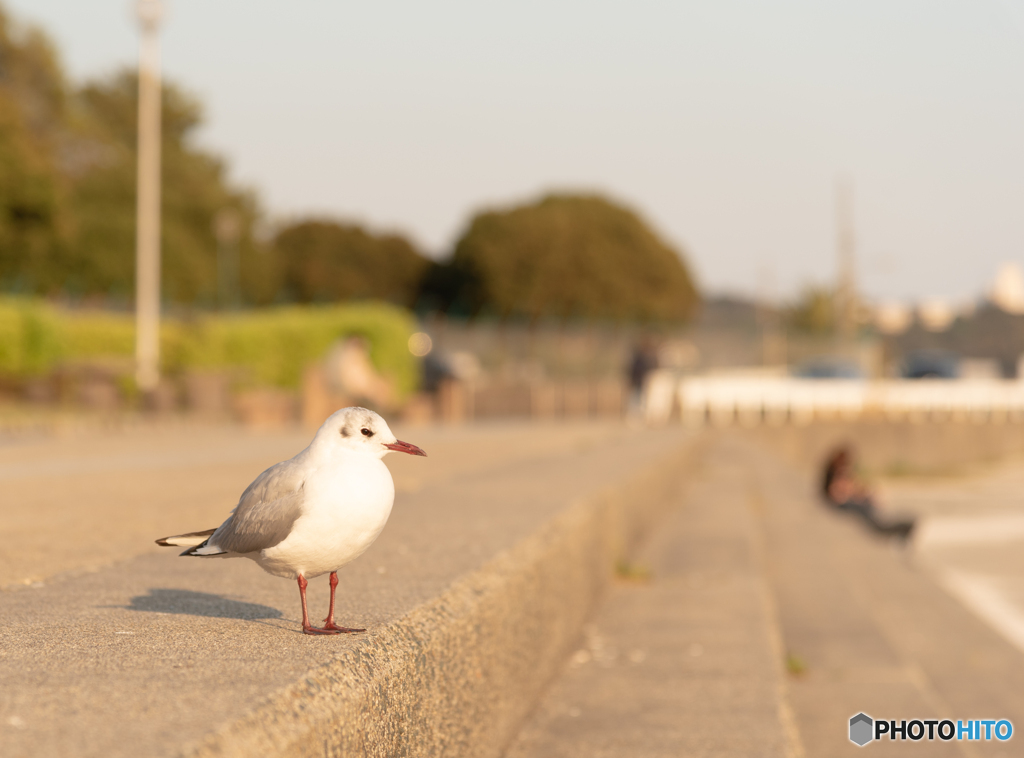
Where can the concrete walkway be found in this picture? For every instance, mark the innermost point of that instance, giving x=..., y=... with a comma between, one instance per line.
x=766, y=623
x=116, y=648
x=972, y=539
x=688, y=665
x=874, y=629
x=82, y=501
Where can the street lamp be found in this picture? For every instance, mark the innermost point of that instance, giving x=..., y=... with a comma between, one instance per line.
x=147, y=228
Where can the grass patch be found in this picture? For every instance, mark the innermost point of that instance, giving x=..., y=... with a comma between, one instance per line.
x=795, y=665
x=628, y=571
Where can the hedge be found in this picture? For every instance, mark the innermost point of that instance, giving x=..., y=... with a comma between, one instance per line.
x=269, y=347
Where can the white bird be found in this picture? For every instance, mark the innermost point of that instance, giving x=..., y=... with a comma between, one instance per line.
x=312, y=514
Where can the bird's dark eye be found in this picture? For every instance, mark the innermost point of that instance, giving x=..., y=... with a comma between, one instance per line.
x=366, y=432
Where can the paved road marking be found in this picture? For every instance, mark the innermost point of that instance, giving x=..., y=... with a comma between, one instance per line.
x=985, y=597
x=938, y=531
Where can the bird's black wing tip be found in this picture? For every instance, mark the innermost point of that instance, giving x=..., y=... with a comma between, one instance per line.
x=192, y=550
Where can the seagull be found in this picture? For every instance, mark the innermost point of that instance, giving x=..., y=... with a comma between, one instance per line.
x=312, y=514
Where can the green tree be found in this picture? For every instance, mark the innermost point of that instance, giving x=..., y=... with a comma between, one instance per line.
x=194, y=190
x=814, y=312
x=32, y=101
x=326, y=261
x=567, y=256
x=67, y=185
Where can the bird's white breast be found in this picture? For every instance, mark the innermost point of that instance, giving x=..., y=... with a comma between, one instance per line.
x=346, y=505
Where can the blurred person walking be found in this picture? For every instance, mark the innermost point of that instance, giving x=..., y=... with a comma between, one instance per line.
x=643, y=361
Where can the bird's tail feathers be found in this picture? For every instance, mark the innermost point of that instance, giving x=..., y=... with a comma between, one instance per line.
x=198, y=543
x=205, y=549
x=192, y=539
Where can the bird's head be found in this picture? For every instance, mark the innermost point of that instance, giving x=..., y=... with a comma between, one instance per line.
x=362, y=430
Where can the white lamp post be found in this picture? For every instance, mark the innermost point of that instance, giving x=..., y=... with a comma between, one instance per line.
x=147, y=239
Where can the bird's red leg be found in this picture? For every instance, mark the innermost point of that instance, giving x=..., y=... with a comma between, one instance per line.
x=305, y=613
x=329, y=621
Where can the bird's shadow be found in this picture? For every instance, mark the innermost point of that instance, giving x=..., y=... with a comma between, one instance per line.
x=190, y=603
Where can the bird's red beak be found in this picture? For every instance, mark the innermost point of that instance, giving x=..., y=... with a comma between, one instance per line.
x=405, y=447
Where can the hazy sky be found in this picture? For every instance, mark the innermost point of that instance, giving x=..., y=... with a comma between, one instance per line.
x=725, y=123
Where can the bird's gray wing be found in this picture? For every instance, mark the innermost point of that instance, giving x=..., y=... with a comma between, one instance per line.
x=265, y=512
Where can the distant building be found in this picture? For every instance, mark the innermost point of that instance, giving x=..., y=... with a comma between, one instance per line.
x=1008, y=289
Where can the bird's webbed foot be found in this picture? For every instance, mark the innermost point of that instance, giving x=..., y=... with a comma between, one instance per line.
x=318, y=630
x=329, y=624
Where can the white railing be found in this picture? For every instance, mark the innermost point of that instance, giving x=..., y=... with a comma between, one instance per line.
x=722, y=400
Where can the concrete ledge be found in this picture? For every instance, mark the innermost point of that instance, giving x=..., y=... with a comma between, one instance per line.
x=897, y=447
x=457, y=675
x=474, y=594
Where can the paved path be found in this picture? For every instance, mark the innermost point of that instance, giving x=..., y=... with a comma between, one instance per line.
x=972, y=539
x=147, y=652
x=685, y=664
x=861, y=624
x=84, y=501
x=111, y=647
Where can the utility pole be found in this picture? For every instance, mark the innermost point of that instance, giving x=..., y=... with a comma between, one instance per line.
x=846, y=289
x=147, y=218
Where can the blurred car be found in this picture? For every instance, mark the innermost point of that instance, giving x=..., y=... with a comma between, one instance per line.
x=930, y=364
x=829, y=368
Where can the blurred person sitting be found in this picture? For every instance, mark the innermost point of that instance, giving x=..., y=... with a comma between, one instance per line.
x=843, y=489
